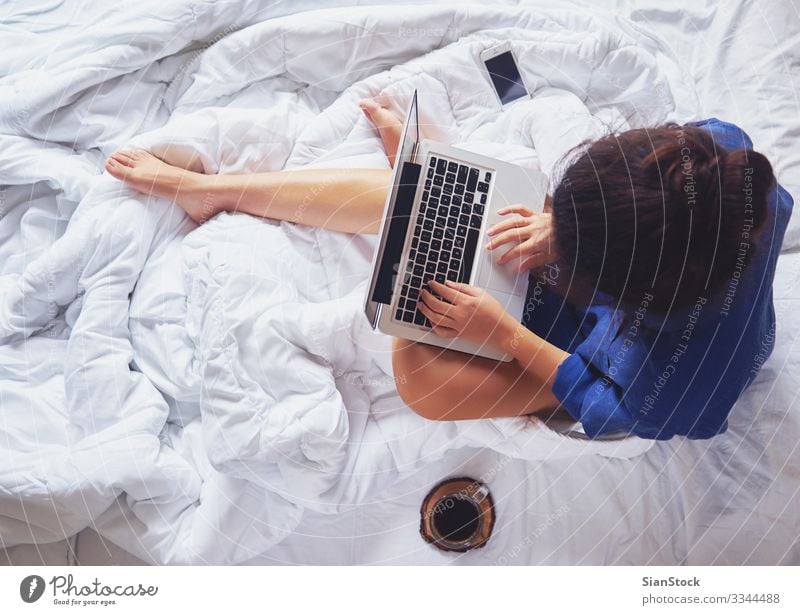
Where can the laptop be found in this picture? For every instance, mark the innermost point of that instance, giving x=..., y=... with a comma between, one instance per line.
x=441, y=203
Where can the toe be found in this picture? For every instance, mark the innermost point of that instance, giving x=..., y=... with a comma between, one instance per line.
x=368, y=106
x=383, y=100
x=122, y=158
x=113, y=167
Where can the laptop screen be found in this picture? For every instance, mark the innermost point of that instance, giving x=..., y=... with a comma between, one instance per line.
x=405, y=152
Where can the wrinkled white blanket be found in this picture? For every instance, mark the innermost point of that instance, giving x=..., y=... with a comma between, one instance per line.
x=209, y=384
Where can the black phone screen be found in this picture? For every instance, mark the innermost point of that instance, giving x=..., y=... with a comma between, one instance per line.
x=505, y=77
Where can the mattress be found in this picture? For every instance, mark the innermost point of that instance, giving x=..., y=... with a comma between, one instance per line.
x=353, y=496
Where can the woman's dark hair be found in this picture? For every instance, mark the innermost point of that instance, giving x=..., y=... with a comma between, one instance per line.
x=664, y=212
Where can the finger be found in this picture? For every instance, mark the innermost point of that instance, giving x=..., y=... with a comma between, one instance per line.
x=516, y=252
x=436, y=318
x=462, y=288
x=448, y=294
x=434, y=303
x=507, y=237
x=535, y=261
x=517, y=208
x=444, y=332
x=506, y=225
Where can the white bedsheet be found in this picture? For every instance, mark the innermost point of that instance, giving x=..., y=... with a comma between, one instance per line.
x=255, y=327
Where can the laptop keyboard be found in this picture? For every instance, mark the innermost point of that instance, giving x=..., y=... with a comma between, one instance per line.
x=446, y=231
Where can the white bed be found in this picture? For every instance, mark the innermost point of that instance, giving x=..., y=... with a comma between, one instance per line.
x=120, y=457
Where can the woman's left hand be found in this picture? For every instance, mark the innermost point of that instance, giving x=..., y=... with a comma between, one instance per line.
x=465, y=311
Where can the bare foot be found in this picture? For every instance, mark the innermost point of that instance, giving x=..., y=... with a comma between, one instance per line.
x=144, y=172
x=388, y=124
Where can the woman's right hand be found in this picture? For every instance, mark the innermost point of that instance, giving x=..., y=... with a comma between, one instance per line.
x=529, y=234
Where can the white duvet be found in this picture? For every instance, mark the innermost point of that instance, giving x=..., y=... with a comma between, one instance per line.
x=193, y=391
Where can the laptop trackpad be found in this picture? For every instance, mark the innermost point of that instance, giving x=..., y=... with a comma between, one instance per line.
x=506, y=278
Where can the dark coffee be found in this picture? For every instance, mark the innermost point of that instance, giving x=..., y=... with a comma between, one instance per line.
x=456, y=518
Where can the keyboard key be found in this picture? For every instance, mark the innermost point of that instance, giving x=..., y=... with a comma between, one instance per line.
x=457, y=254
x=437, y=192
x=424, y=247
x=404, y=290
x=462, y=174
x=445, y=256
x=433, y=161
x=466, y=209
x=425, y=195
x=419, y=319
x=452, y=222
x=430, y=213
x=408, y=316
x=469, y=256
x=447, y=189
x=452, y=167
x=441, y=278
x=426, y=236
x=449, y=233
x=430, y=267
x=413, y=293
x=441, y=166
x=433, y=255
x=418, y=270
x=452, y=275
x=447, y=245
x=437, y=233
x=417, y=231
x=461, y=231
x=488, y=177
x=442, y=268
x=472, y=180
x=445, y=200
x=475, y=222
x=401, y=303
x=436, y=245
x=469, y=197
x=443, y=211
x=428, y=225
x=483, y=199
x=450, y=178
x=416, y=281
x=438, y=180
x=463, y=219
x=427, y=184
x=456, y=200
x=420, y=258
x=478, y=209
x=459, y=189
x=482, y=187
x=459, y=242
x=430, y=173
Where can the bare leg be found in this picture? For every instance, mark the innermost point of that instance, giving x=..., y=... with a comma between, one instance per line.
x=347, y=200
x=448, y=385
x=344, y=200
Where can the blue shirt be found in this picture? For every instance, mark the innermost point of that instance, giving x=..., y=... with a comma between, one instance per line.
x=659, y=376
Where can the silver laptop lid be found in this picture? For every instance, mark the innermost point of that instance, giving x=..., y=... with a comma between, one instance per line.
x=386, y=260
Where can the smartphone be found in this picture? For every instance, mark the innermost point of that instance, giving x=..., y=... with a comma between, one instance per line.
x=501, y=66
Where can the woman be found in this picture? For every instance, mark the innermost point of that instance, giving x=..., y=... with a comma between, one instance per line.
x=650, y=303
